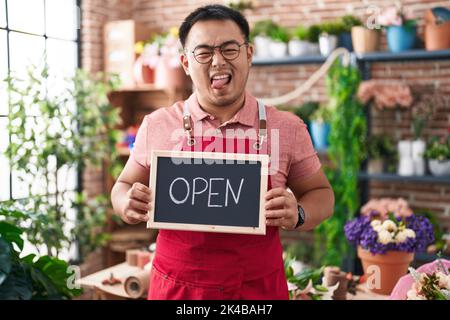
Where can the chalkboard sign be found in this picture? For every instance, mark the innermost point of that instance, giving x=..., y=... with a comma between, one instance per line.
x=208, y=191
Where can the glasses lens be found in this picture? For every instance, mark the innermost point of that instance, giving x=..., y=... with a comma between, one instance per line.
x=230, y=51
x=203, y=55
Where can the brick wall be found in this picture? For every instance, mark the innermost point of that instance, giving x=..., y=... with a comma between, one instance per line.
x=160, y=15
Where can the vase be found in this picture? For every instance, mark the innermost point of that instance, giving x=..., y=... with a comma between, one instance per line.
x=365, y=40
x=262, y=46
x=406, y=161
x=142, y=73
x=417, y=151
x=327, y=44
x=345, y=41
x=168, y=76
x=401, y=38
x=439, y=168
x=436, y=33
x=389, y=267
x=319, y=134
x=298, y=48
x=278, y=49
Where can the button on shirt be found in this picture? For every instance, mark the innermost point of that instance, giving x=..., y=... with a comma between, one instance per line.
x=296, y=157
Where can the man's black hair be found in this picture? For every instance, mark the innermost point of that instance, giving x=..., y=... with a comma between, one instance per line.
x=213, y=12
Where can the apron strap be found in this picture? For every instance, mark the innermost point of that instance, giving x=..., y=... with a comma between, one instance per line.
x=262, y=131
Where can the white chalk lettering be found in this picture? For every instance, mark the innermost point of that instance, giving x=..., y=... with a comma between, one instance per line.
x=213, y=193
x=194, y=187
x=171, y=193
x=236, y=199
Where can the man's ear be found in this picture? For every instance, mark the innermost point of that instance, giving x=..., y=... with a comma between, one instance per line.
x=250, y=51
x=185, y=63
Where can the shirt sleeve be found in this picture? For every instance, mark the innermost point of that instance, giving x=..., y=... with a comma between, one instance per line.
x=304, y=160
x=141, y=149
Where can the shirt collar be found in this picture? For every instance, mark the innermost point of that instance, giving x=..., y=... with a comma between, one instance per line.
x=247, y=115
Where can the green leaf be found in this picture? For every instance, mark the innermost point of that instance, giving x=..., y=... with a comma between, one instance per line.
x=5, y=260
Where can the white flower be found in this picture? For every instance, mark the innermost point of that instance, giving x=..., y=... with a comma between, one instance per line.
x=444, y=280
x=410, y=233
x=413, y=295
x=401, y=236
x=375, y=223
x=384, y=237
x=389, y=225
x=378, y=228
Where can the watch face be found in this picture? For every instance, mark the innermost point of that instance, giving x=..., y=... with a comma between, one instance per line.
x=301, y=216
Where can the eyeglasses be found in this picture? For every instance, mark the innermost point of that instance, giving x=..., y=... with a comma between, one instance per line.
x=230, y=50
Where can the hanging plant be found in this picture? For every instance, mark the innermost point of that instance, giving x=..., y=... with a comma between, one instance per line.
x=346, y=152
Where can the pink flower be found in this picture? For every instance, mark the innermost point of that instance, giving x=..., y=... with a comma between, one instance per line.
x=399, y=207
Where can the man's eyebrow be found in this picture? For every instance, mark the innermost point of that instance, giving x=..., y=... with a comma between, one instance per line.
x=204, y=45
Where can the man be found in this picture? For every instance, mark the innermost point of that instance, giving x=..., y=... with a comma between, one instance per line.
x=198, y=265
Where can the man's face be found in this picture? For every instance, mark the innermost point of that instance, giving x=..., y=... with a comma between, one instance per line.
x=220, y=82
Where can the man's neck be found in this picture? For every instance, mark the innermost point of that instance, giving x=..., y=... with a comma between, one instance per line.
x=223, y=113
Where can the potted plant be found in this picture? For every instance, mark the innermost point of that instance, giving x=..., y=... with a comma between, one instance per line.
x=345, y=38
x=314, y=33
x=437, y=29
x=305, y=112
x=400, y=31
x=260, y=36
x=278, y=46
x=299, y=44
x=163, y=55
x=142, y=72
x=320, y=127
x=365, y=38
x=329, y=36
x=381, y=152
x=387, y=234
x=438, y=155
x=26, y=277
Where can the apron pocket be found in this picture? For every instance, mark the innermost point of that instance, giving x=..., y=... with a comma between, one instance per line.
x=165, y=287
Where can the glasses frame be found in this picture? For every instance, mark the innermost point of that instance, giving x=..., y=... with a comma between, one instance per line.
x=213, y=49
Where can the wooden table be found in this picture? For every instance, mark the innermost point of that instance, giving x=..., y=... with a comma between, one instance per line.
x=109, y=292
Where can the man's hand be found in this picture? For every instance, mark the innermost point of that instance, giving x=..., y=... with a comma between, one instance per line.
x=137, y=204
x=281, y=209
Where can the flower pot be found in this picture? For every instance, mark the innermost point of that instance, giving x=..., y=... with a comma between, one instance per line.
x=327, y=44
x=262, y=46
x=401, y=38
x=417, y=151
x=278, y=49
x=313, y=48
x=392, y=266
x=142, y=73
x=437, y=37
x=439, y=168
x=365, y=40
x=404, y=148
x=406, y=167
x=169, y=76
x=319, y=133
x=298, y=48
x=375, y=166
x=345, y=41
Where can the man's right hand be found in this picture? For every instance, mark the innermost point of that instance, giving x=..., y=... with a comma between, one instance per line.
x=138, y=203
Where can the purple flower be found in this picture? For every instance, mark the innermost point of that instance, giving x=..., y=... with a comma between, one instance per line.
x=360, y=232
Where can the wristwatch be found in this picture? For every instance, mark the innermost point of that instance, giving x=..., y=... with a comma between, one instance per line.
x=301, y=216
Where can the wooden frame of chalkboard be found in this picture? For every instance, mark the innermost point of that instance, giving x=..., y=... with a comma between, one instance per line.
x=261, y=161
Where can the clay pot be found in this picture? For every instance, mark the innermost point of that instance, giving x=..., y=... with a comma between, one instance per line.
x=170, y=77
x=392, y=266
x=142, y=73
x=437, y=37
x=365, y=40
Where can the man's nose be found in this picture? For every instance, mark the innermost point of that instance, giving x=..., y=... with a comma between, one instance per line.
x=218, y=59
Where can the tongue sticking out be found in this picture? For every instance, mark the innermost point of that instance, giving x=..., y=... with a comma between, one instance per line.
x=219, y=83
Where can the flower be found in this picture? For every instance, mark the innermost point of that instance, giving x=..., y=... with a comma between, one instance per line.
x=431, y=285
x=379, y=229
x=394, y=16
x=385, y=94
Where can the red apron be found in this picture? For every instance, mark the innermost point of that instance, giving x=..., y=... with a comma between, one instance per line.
x=193, y=265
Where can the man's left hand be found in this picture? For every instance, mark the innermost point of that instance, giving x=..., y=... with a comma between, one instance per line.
x=281, y=209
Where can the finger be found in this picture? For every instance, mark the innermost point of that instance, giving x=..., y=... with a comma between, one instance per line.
x=275, y=192
x=137, y=216
x=140, y=195
x=271, y=214
x=274, y=222
x=276, y=202
x=141, y=187
x=135, y=204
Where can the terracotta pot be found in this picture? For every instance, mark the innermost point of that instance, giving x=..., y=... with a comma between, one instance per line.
x=365, y=40
x=437, y=37
x=392, y=266
x=142, y=73
x=170, y=77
